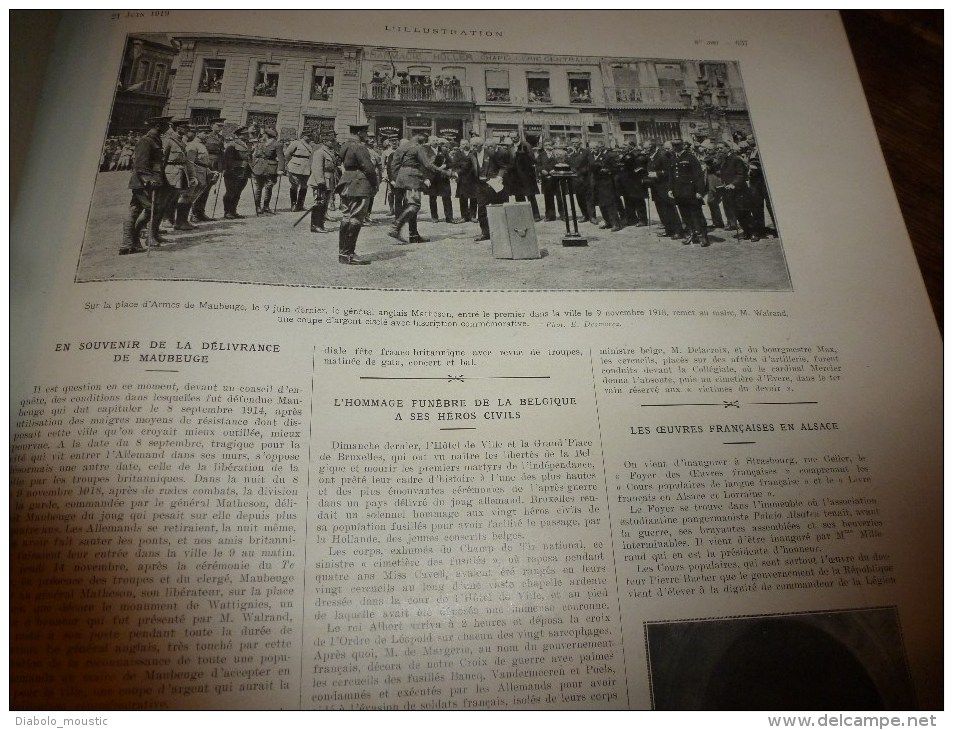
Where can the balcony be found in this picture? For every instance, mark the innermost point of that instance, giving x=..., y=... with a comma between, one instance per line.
x=430, y=93
x=670, y=97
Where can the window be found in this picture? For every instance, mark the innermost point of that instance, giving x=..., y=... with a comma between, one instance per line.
x=261, y=120
x=318, y=126
x=322, y=83
x=158, y=76
x=142, y=75
x=213, y=71
x=201, y=117
x=580, y=88
x=659, y=131
x=266, y=79
x=669, y=74
x=715, y=74
x=537, y=88
x=497, y=86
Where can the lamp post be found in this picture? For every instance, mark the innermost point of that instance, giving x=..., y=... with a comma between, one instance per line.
x=706, y=103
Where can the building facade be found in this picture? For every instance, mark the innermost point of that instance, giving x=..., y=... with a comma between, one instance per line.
x=293, y=85
x=288, y=85
x=145, y=78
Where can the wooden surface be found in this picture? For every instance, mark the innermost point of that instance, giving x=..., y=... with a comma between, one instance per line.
x=899, y=56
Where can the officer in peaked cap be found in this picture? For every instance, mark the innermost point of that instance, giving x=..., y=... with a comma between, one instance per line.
x=236, y=171
x=688, y=190
x=358, y=186
x=267, y=163
x=148, y=188
x=215, y=145
x=178, y=173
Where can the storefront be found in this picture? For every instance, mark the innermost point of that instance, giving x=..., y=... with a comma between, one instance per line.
x=538, y=126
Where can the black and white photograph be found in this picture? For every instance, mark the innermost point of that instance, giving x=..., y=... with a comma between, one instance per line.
x=833, y=660
x=267, y=161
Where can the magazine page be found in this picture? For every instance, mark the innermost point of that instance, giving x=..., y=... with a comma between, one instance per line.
x=451, y=361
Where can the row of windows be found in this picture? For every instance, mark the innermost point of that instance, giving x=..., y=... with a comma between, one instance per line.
x=266, y=79
x=448, y=84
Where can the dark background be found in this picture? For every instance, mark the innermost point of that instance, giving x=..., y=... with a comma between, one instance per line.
x=899, y=56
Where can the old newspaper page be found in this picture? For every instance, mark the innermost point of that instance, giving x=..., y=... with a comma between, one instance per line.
x=459, y=360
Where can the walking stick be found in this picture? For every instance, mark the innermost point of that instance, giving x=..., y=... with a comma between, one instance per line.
x=152, y=213
x=218, y=187
x=650, y=208
x=278, y=193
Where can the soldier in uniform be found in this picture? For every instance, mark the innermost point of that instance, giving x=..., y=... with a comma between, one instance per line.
x=415, y=167
x=267, y=163
x=178, y=174
x=358, y=185
x=205, y=177
x=440, y=184
x=148, y=187
x=298, y=166
x=214, y=146
x=236, y=171
x=688, y=190
x=323, y=166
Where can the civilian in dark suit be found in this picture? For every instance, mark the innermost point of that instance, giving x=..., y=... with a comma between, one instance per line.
x=524, y=176
x=466, y=181
x=579, y=160
x=734, y=176
x=602, y=167
x=485, y=167
x=545, y=162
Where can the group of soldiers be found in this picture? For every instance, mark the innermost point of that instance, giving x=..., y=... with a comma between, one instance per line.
x=176, y=165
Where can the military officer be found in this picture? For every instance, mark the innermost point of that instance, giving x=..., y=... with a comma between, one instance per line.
x=214, y=146
x=358, y=185
x=148, y=186
x=267, y=163
x=414, y=167
x=440, y=184
x=688, y=191
x=298, y=166
x=205, y=177
x=236, y=171
x=178, y=174
x=323, y=167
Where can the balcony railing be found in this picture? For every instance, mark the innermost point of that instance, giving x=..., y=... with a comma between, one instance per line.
x=672, y=96
x=444, y=93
